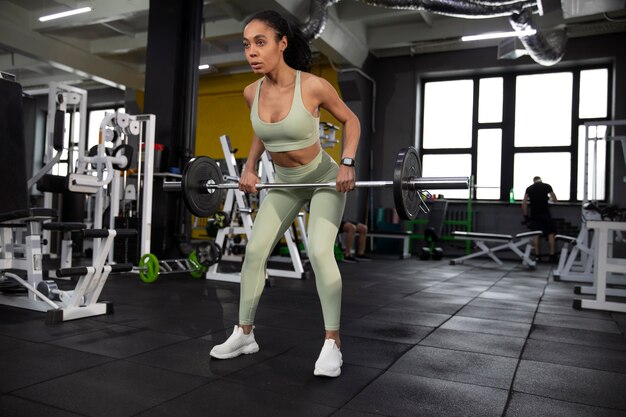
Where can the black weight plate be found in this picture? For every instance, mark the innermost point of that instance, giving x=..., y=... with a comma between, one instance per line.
x=198, y=172
x=407, y=201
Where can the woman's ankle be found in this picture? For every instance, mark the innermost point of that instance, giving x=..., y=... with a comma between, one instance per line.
x=247, y=328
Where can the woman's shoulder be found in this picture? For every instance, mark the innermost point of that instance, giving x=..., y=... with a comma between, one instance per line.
x=250, y=90
x=313, y=83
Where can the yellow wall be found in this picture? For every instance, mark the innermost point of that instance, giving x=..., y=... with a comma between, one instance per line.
x=223, y=110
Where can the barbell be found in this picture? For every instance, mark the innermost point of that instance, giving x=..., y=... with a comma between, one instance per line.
x=202, y=184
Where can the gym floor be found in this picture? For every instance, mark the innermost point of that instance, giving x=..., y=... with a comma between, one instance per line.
x=420, y=338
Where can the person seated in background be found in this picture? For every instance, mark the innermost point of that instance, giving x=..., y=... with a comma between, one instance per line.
x=351, y=228
x=538, y=196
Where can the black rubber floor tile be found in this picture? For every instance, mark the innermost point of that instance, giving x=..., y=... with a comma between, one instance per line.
x=345, y=412
x=568, y=383
x=579, y=337
x=116, y=389
x=371, y=296
x=358, y=351
x=470, y=324
x=510, y=296
x=416, y=318
x=427, y=305
x=569, y=310
x=310, y=319
x=518, y=316
x=475, y=342
x=40, y=362
x=524, y=405
x=227, y=399
x=453, y=365
x=393, y=332
x=441, y=298
x=11, y=343
x=557, y=320
x=192, y=356
x=472, y=280
x=128, y=313
x=575, y=355
x=399, y=287
x=350, y=309
x=38, y=331
x=16, y=315
x=507, y=304
x=523, y=283
x=11, y=406
x=456, y=289
x=119, y=341
x=401, y=395
x=188, y=325
x=291, y=375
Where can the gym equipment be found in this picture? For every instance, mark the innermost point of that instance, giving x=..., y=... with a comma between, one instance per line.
x=606, y=266
x=577, y=259
x=21, y=230
x=508, y=242
x=238, y=225
x=431, y=251
x=201, y=185
x=198, y=262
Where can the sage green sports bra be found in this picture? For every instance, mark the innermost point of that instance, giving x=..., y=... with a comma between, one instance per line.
x=298, y=130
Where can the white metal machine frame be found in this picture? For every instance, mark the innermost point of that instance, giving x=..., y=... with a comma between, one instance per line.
x=234, y=196
x=605, y=266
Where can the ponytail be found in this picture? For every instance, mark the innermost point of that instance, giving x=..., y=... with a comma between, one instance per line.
x=298, y=52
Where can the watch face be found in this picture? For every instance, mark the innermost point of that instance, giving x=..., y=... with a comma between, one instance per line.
x=348, y=161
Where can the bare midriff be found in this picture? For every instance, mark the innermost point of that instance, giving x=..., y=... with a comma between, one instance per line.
x=291, y=159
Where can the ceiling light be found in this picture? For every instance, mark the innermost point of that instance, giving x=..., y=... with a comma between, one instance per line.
x=204, y=66
x=496, y=35
x=64, y=14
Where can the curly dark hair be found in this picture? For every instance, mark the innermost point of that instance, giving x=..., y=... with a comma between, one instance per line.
x=298, y=52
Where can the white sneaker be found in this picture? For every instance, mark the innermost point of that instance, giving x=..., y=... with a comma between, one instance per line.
x=235, y=345
x=329, y=362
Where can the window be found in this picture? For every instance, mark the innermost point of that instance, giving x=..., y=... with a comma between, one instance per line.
x=443, y=100
x=93, y=129
x=504, y=130
x=489, y=164
x=450, y=165
x=70, y=135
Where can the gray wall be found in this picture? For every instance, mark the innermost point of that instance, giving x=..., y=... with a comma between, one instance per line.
x=357, y=91
x=397, y=113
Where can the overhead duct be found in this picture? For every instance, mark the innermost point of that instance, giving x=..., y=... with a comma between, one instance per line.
x=545, y=49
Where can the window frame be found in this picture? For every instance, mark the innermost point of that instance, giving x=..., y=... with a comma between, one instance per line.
x=507, y=125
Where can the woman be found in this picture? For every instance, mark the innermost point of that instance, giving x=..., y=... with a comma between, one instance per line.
x=284, y=109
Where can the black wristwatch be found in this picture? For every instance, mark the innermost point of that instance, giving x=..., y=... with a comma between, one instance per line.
x=349, y=162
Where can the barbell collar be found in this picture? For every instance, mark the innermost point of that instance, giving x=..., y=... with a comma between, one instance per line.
x=172, y=186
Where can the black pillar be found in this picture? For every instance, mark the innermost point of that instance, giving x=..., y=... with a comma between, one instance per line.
x=171, y=92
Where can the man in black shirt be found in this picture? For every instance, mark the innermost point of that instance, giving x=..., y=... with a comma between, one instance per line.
x=538, y=195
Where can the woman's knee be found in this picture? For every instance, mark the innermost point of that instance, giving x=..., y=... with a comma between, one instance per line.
x=257, y=250
x=361, y=228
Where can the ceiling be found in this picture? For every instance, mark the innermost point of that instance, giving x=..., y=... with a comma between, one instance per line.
x=107, y=46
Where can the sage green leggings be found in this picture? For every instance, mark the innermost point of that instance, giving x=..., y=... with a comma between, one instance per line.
x=276, y=214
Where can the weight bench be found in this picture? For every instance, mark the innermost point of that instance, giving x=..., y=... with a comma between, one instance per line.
x=404, y=235
x=512, y=242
